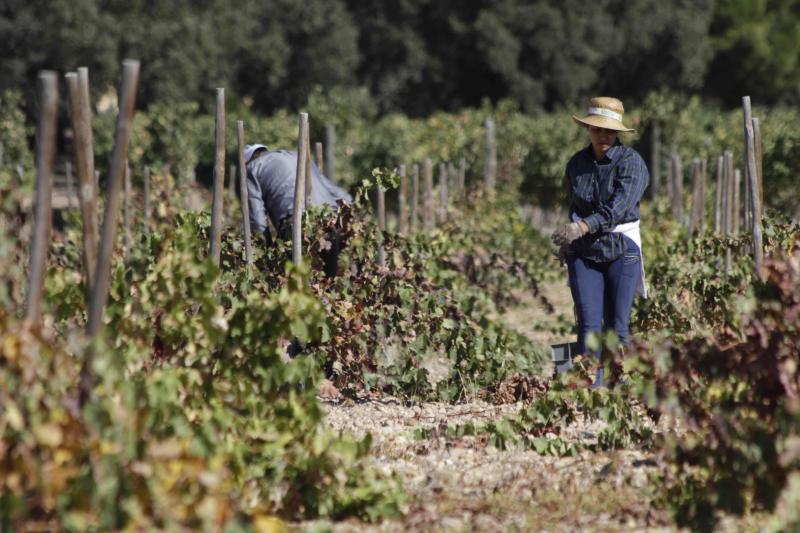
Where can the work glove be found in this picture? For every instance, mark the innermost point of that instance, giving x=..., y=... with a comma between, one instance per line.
x=569, y=232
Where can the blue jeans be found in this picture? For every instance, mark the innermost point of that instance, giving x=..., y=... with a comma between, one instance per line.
x=603, y=293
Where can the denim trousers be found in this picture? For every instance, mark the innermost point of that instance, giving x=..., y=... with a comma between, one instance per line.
x=603, y=293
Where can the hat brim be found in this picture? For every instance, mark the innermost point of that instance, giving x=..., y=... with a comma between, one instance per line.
x=600, y=121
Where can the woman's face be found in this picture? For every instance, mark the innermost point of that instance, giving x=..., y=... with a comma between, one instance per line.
x=602, y=139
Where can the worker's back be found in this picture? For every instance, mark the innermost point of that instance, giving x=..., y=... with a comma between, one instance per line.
x=270, y=188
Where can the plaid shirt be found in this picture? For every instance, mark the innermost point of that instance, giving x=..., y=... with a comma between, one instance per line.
x=605, y=193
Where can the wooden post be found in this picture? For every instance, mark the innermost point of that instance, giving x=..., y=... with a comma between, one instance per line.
x=695, y=212
x=126, y=213
x=309, y=182
x=724, y=204
x=755, y=200
x=146, y=197
x=231, y=191
x=320, y=158
x=248, y=251
x=442, y=193
x=718, y=195
x=218, y=186
x=381, y=225
x=330, y=154
x=299, y=189
x=702, y=207
x=736, y=204
x=677, y=188
x=655, y=159
x=729, y=190
x=727, y=201
x=759, y=160
x=747, y=213
x=490, y=176
x=427, y=199
x=402, y=201
x=87, y=182
x=97, y=303
x=70, y=185
x=86, y=119
x=414, y=214
x=43, y=203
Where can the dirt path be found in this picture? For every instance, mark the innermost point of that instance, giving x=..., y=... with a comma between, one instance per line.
x=466, y=484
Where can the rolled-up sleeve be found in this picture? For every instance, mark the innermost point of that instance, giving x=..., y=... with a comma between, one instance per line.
x=630, y=181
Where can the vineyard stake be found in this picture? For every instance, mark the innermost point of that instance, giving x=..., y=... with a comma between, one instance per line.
x=309, y=185
x=381, y=225
x=677, y=188
x=126, y=213
x=146, y=197
x=87, y=185
x=219, y=179
x=727, y=208
x=248, y=251
x=330, y=154
x=490, y=176
x=414, y=212
x=86, y=119
x=452, y=183
x=231, y=191
x=320, y=158
x=729, y=193
x=402, y=203
x=759, y=160
x=655, y=154
x=97, y=303
x=755, y=200
x=702, y=206
x=747, y=213
x=70, y=185
x=43, y=207
x=718, y=196
x=442, y=193
x=297, y=215
x=695, y=212
x=735, y=213
x=427, y=198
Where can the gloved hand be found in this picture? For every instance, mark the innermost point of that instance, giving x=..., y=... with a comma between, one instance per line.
x=570, y=232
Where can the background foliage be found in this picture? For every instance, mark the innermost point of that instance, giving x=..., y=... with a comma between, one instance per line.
x=412, y=56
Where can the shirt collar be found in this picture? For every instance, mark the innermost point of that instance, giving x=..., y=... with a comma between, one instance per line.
x=612, y=153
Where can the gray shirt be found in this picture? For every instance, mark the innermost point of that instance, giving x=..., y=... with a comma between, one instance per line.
x=270, y=188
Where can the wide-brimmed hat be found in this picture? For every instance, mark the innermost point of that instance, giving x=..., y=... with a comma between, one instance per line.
x=604, y=112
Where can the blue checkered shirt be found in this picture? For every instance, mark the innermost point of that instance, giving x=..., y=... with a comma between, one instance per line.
x=605, y=193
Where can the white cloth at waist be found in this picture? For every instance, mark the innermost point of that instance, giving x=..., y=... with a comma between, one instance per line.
x=630, y=230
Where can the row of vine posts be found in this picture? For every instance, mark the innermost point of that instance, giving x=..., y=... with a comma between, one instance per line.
x=734, y=201
x=97, y=244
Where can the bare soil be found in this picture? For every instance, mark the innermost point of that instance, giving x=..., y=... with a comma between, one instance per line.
x=466, y=484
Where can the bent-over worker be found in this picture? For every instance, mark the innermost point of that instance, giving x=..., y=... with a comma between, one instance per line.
x=270, y=193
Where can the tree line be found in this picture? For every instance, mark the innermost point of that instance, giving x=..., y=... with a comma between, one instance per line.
x=414, y=56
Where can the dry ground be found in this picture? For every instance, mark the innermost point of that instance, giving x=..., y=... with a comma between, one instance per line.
x=468, y=485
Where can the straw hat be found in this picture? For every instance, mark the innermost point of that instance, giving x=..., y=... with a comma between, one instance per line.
x=604, y=112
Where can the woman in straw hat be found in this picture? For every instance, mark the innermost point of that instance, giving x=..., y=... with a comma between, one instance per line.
x=601, y=243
